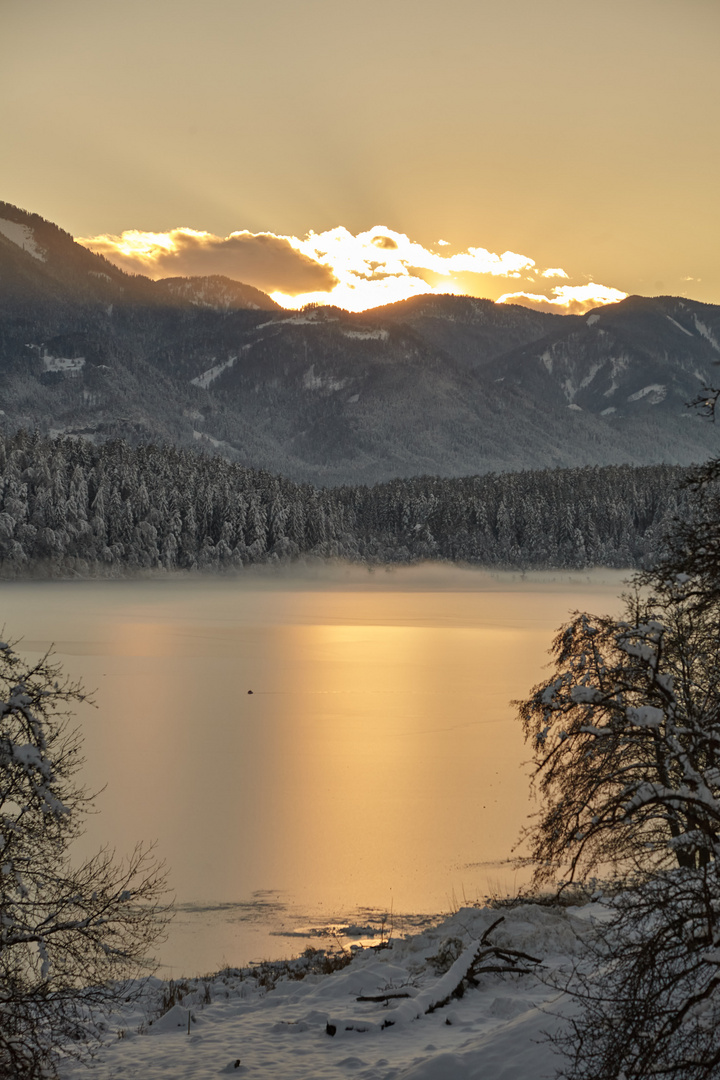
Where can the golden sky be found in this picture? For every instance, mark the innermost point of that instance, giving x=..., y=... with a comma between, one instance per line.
x=493, y=143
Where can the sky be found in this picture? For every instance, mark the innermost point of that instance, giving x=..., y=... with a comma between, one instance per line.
x=559, y=152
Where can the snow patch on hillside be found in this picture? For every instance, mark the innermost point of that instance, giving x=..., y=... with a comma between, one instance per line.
x=707, y=333
x=571, y=388
x=23, y=236
x=618, y=364
x=367, y=335
x=68, y=365
x=655, y=393
x=306, y=319
x=670, y=319
x=309, y=320
x=311, y=381
x=208, y=377
x=218, y=444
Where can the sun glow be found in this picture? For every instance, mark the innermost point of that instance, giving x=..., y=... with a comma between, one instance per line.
x=382, y=266
x=351, y=271
x=146, y=246
x=359, y=297
x=566, y=299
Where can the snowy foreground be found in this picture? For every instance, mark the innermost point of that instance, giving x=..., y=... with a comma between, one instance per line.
x=315, y=1027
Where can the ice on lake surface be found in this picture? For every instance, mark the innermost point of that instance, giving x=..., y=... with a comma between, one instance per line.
x=375, y=769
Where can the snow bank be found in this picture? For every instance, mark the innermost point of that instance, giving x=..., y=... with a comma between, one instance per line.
x=368, y=1020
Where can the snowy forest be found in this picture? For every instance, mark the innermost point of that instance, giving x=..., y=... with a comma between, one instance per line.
x=68, y=507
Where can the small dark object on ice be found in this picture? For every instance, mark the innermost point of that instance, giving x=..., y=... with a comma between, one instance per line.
x=249, y=691
x=330, y=1029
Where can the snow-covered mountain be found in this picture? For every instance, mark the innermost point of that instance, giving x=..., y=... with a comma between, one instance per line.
x=624, y=359
x=438, y=384
x=216, y=292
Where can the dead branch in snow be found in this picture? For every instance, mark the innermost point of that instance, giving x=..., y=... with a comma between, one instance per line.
x=508, y=963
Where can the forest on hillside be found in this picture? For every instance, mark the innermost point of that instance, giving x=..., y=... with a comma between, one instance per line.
x=71, y=508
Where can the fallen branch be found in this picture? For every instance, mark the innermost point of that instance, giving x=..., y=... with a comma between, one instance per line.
x=509, y=961
x=389, y=996
x=469, y=966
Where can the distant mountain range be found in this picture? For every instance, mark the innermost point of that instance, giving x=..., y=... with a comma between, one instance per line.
x=440, y=385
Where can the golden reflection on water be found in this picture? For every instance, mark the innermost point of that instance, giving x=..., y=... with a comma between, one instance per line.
x=376, y=762
x=404, y=736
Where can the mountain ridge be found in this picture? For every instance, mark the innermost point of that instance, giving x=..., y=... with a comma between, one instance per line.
x=438, y=384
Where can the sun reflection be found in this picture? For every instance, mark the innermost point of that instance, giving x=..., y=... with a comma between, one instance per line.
x=377, y=762
x=387, y=724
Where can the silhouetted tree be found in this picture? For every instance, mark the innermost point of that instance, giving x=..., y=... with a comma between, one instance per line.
x=70, y=936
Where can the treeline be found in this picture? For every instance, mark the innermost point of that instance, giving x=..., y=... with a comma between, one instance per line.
x=616, y=515
x=70, y=507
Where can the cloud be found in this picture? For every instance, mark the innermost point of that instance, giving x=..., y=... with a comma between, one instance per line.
x=379, y=266
x=353, y=271
x=271, y=263
x=566, y=299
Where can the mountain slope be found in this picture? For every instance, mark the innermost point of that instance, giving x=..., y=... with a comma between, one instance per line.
x=41, y=263
x=216, y=292
x=623, y=359
x=439, y=384
x=472, y=330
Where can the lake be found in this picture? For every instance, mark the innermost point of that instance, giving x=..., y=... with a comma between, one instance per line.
x=376, y=769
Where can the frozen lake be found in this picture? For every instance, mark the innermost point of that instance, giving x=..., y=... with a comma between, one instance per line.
x=377, y=763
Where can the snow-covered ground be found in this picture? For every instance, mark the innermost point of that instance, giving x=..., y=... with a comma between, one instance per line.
x=317, y=1027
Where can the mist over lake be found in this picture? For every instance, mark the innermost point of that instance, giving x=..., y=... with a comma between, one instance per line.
x=377, y=763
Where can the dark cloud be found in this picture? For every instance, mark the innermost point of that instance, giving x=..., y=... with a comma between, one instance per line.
x=264, y=260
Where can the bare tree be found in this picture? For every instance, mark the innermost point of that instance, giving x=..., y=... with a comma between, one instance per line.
x=70, y=936
x=626, y=742
x=649, y=985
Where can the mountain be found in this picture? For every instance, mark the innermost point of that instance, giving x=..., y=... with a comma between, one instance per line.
x=441, y=385
x=41, y=263
x=216, y=292
x=623, y=359
x=473, y=331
